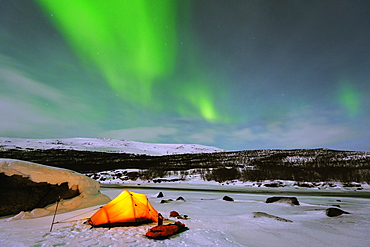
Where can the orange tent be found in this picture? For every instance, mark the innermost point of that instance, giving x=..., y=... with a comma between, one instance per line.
x=128, y=208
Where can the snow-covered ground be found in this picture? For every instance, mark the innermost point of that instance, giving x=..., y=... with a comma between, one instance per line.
x=104, y=145
x=212, y=222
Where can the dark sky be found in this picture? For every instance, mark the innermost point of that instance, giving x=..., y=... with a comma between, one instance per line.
x=231, y=74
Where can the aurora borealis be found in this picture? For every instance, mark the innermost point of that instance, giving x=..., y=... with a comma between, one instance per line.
x=131, y=43
x=231, y=74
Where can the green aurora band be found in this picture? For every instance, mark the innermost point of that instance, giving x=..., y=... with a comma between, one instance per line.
x=134, y=46
x=349, y=98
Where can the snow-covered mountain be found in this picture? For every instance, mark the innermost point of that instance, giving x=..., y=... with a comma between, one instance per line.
x=104, y=145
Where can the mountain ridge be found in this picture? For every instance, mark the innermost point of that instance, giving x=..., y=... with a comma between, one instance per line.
x=297, y=164
x=104, y=145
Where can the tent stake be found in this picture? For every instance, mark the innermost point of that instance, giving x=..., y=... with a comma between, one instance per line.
x=55, y=212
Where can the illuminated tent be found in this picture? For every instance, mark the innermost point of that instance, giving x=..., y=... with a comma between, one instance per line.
x=128, y=208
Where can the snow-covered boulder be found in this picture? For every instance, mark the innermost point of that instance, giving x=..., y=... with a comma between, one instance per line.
x=228, y=198
x=333, y=212
x=269, y=216
x=18, y=194
x=283, y=199
x=26, y=185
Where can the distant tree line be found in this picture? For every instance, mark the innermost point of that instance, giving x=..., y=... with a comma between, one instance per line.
x=254, y=165
x=288, y=173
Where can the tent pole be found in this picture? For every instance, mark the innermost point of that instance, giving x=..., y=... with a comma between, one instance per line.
x=55, y=212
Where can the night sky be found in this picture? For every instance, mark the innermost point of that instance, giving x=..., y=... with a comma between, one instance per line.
x=232, y=74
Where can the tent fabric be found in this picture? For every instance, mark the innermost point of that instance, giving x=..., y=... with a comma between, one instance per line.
x=128, y=208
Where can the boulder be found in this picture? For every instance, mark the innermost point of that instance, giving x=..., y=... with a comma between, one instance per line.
x=174, y=214
x=283, y=199
x=227, y=198
x=166, y=201
x=180, y=198
x=160, y=195
x=333, y=212
x=265, y=215
x=19, y=193
x=274, y=184
x=304, y=185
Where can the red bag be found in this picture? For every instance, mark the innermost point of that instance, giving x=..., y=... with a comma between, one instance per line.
x=162, y=231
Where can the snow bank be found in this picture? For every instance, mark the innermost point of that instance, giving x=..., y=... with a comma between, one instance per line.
x=88, y=188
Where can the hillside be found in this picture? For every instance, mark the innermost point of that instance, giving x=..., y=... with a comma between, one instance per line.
x=104, y=145
x=252, y=165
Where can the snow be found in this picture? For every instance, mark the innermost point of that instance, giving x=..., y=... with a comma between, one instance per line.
x=104, y=145
x=88, y=188
x=298, y=159
x=212, y=222
x=192, y=179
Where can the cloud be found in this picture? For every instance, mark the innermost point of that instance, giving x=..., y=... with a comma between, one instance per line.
x=32, y=109
x=18, y=84
x=19, y=108
x=20, y=118
x=295, y=133
x=144, y=134
x=203, y=136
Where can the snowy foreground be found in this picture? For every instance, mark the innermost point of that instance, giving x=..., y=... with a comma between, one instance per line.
x=212, y=221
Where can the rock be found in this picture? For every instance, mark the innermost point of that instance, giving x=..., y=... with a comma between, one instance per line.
x=160, y=195
x=174, y=214
x=263, y=214
x=166, y=201
x=274, y=184
x=19, y=193
x=353, y=184
x=304, y=185
x=227, y=198
x=271, y=185
x=180, y=198
x=282, y=199
x=333, y=212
